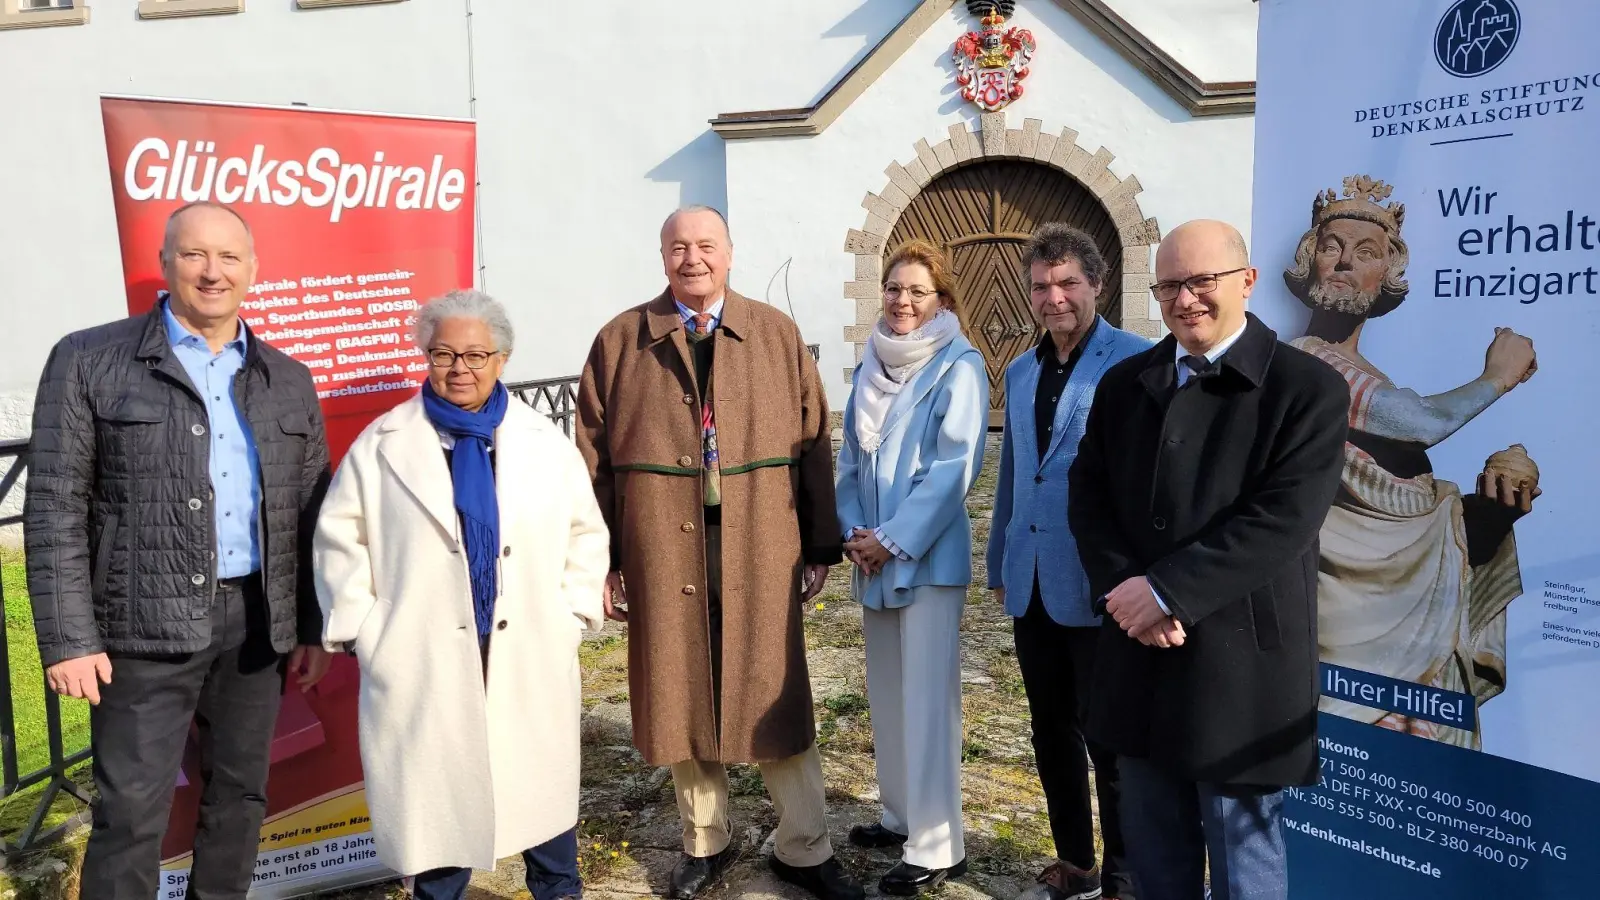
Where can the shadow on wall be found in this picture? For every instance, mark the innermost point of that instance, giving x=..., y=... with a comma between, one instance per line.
x=1092, y=48
x=871, y=20
x=700, y=168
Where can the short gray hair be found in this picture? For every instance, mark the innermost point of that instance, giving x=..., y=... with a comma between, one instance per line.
x=700, y=208
x=465, y=304
x=169, y=238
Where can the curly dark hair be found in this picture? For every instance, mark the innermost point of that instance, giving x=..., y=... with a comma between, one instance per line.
x=1053, y=243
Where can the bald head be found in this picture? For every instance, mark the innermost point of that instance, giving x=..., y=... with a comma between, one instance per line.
x=216, y=215
x=209, y=261
x=697, y=210
x=1219, y=241
x=1203, y=278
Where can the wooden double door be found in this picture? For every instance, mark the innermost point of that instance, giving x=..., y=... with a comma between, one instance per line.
x=983, y=214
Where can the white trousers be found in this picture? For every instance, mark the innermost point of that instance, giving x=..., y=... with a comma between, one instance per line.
x=914, y=689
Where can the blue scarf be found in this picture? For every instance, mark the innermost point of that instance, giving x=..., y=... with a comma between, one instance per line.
x=472, y=476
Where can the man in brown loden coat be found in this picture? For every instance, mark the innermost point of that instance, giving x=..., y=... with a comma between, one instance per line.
x=705, y=427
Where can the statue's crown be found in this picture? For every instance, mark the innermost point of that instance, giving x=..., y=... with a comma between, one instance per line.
x=1362, y=194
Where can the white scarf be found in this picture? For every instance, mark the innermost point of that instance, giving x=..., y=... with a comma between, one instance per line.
x=890, y=362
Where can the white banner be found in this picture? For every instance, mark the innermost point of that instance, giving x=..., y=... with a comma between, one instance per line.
x=1427, y=221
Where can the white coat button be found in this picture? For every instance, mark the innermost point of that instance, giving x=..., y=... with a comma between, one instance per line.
x=194, y=503
x=685, y=460
x=198, y=579
x=198, y=429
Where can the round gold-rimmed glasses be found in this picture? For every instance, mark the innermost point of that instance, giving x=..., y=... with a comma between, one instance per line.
x=892, y=291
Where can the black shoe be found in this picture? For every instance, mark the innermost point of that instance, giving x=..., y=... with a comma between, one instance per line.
x=826, y=881
x=907, y=880
x=875, y=836
x=694, y=874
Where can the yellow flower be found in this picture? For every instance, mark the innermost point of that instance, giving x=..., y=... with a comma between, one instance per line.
x=822, y=606
x=597, y=846
x=624, y=845
x=613, y=854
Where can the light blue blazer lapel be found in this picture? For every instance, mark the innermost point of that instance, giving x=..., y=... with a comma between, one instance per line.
x=906, y=401
x=1024, y=387
x=1080, y=384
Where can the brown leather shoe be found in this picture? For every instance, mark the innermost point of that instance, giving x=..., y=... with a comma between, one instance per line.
x=1063, y=881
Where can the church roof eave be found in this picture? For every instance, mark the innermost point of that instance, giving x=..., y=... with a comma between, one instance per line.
x=1200, y=98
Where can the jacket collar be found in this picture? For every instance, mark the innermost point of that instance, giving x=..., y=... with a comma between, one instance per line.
x=410, y=444
x=1089, y=363
x=1248, y=359
x=663, y=319
x=155, y=347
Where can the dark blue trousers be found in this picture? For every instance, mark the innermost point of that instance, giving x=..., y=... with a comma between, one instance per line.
x=552, y=873
x=1171, y=826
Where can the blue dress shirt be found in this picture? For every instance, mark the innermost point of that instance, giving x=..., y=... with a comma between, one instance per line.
x=235, y=468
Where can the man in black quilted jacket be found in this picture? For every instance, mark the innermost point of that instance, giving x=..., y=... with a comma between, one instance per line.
x=175, y=472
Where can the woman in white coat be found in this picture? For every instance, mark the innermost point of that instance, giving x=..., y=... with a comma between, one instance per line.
x=913, y=446
x=461, y=554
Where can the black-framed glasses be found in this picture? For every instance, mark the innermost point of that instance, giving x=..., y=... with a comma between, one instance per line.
x=1167, y=291
x=441, y=358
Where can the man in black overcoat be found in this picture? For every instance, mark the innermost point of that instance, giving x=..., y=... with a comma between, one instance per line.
x=1207, y=467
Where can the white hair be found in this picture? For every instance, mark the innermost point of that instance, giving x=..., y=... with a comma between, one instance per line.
x=699, y=208
x=465, y=304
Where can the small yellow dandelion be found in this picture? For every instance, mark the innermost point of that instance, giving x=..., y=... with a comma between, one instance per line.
x=597, y=846
x=822, y=606
x=624, y=845
x=613, y=854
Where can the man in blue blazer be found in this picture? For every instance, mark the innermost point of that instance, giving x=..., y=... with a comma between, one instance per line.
x=1033, y=559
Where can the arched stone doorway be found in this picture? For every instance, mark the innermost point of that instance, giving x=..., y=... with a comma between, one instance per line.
x=983, y=214
x=979, y=193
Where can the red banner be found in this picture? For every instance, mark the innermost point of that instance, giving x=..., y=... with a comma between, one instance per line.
x=357, y=220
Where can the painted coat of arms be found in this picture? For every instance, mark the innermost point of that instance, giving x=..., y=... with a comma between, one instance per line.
x=991, y=63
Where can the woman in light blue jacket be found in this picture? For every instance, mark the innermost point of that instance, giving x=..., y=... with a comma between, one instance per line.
x=913, y=445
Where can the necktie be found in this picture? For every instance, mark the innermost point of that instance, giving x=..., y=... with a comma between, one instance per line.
x=1199, y=367
x=708, y=426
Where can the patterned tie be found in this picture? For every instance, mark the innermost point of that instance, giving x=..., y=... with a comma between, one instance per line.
x=1199, y=367
x=708, y=426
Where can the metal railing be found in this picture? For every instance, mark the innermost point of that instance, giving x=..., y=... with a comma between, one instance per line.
x=554, y=397
x=53, y=774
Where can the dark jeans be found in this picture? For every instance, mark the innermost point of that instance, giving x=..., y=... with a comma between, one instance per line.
x=1173, y=825
x=552, y=873
x=231, y=691
x=1057, y=665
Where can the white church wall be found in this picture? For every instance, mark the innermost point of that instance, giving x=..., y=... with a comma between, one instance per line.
x=60, y=266
x=592, y=127
x=593, y=124
x=799, y=196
